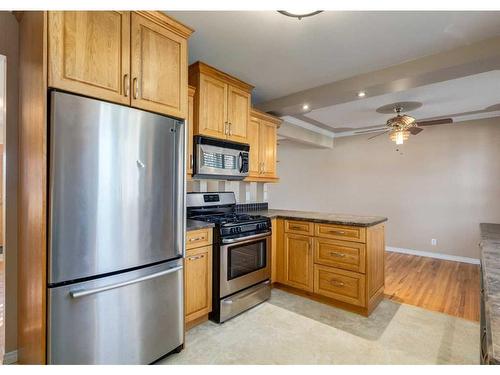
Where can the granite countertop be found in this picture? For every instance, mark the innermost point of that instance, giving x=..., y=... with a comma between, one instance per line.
x=197, y=224
x=317, y=217
x=490, y=266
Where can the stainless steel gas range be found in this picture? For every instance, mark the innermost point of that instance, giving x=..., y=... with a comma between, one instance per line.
x=241, y=253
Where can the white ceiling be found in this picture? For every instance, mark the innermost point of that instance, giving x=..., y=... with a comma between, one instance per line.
x=472, y=93
x=281, y=55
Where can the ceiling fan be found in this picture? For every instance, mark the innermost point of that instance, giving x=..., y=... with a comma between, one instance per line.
x=402, y=126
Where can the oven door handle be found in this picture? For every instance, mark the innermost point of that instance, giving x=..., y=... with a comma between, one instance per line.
x=247, y=238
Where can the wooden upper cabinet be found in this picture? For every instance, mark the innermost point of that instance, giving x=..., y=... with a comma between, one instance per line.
x=263, y=140
x=89, y=53
x=212, y=108
x=299, y=261
x=189, y=132
x=158, y=66
x=222, y=103
x=253, y=133
x=268, y=148
x=238, y=114
x=131, y=58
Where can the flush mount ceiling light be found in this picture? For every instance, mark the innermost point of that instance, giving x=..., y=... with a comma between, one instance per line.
x=305, y=107
x=361, y=94
x=299, y=13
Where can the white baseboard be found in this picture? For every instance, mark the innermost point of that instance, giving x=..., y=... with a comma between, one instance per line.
x=10, y=358
x=432, y=255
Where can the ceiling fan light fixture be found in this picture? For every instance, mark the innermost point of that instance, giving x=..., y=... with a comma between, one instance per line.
x=399, y=136
x=299, y=14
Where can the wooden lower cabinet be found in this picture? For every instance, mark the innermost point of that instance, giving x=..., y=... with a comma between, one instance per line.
x=347, y=273
x=345, y=286
x=341, y=254
x=299, y=261
x=198, y=283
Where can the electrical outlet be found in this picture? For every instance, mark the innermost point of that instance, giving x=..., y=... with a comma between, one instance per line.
x=434, y=242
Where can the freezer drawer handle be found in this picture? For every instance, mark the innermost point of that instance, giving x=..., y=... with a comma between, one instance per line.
x=88, y=292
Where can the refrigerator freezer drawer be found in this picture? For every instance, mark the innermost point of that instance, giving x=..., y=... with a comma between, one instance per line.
x=130, y=318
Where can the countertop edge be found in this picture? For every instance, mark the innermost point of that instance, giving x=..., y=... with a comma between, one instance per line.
x=303, y=216
x=197, y=224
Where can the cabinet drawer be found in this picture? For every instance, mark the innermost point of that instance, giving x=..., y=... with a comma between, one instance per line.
x=199, y=237
x=345, y=286
x=299, y=227
x=340, y=232
x=341, y=254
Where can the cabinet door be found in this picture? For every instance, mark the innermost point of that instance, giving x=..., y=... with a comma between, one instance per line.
x=89, y=53
x=198, y=282
x=254, y=142
x=268, y=146
x=189, y=134
x=238, y=115
x=299, y=261
x=212, y=107
x=158, y=68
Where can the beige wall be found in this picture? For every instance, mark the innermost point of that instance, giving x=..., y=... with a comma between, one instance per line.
x=442, y=185
x=9, y=43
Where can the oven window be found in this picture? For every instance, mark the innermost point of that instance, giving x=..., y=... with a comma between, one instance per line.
x=247, y=258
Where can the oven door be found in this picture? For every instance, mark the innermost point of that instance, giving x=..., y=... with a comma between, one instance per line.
x=244, y=262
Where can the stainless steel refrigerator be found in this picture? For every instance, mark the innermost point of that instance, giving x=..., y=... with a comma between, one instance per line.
x=116, y=233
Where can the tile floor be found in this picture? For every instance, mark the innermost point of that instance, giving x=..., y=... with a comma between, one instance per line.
x=289, y=329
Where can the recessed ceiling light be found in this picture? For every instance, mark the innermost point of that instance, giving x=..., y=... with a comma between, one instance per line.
x=305, y=107
x=361, y=94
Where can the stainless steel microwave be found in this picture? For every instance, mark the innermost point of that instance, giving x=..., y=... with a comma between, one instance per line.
x=219, y=159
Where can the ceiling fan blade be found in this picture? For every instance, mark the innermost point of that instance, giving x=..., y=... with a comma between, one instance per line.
x=440, y=121
x=375, y=136
x=415, y=130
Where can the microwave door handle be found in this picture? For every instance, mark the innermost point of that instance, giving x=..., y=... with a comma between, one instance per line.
x=240, y=162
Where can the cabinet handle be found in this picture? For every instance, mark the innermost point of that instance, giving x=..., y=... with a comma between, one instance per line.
x=225, y=128
x=191, y=162
x=196, y=257
x=126, y=84
x=136, y=87
x=294, y=227
x=230, y=131
x=337, y=231
x=196, y=239
x=338, y=255
x=336, y=282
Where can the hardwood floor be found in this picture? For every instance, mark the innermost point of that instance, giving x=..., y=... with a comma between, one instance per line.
x=433, y=284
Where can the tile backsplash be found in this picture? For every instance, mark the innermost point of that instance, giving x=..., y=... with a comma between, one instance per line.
x=245, y=192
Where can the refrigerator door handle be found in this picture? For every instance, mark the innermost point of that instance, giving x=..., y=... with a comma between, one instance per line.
x=88, y=292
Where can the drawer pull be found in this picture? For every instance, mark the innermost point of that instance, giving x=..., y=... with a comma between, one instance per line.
x=196, y=239
x=296, y=228
x=336, y=282
x=196, y=257
x=338, y=255
x=337, y=231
